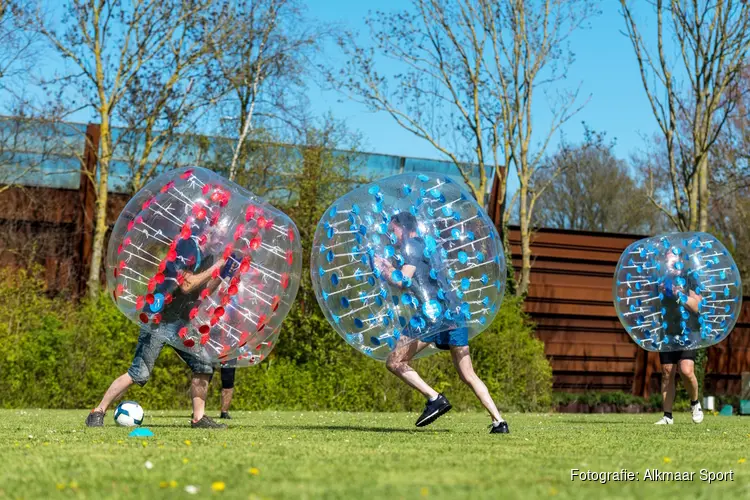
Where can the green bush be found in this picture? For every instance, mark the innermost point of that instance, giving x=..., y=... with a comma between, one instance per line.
x=655, y=401
x=617, y=398
x=57, y=354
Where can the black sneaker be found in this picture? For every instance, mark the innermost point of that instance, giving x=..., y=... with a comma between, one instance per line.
x=433, y=410
x=206, y=423
x=226, y=415
x=95, y=419
x=501, y=428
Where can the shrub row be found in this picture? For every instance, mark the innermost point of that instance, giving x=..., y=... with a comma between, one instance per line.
x=55, y=353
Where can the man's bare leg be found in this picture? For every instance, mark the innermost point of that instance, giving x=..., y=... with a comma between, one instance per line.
x=398, y=364
x=116, y=389
x=199, y=392
x=668, y=372
x=668, y=386
x=465, y=369
x=226, y=399
x=687, y=372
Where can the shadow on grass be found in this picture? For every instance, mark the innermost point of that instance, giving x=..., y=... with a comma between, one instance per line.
x=170, y=415
x=351, y=428
x=596, y=422
x=185, y=425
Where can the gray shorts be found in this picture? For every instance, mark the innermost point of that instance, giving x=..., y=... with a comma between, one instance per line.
x=151, y=341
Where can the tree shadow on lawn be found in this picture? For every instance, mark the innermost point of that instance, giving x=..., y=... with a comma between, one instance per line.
x=597, y=422
x=351, y=428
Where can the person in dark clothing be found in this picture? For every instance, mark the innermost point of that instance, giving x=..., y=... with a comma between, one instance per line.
x=681, y=306
x=196, y=267
x=416, y=271
x=228, y=372
x=227, y=390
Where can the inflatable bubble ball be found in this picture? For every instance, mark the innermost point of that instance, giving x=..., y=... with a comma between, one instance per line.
x=410, y=257
x=204, y=263
x=254, y=352
x=678, y=291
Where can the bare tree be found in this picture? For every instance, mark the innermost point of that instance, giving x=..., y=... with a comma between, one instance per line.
x=691, y=96
x=529, y=47
x=168, y=97
x=15, y=50
x=594, y=191
x=731, y=153
x=730, y=178
x=27, y=138
x=112, y=44
x=17, y=45
x=427, y=67
x=259, y=61
x=464, y=79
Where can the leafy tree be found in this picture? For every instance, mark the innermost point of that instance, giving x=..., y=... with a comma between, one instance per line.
x=321, y=169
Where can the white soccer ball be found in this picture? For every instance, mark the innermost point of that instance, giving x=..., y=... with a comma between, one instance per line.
x=129, y=414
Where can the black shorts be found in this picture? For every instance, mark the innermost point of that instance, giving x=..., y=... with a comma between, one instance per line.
x=674, y=357
x=227, y=377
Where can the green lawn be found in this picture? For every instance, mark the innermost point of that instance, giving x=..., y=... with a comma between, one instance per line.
x=50, y=454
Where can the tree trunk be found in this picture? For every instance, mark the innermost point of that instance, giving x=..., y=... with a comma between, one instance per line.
x=479, y=193
x=703, y=193
x=100, y=220
x=693, y=203
x=523, y=285
x=135, y=184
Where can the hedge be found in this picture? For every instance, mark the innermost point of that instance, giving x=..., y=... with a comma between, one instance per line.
x=57, y=353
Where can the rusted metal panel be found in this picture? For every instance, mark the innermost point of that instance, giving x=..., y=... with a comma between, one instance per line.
x=87, y=205
x=34, y=204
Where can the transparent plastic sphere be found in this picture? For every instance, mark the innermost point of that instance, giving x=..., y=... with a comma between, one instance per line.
x=677, y=291
x=407, y=258
x=195, y=250
x=254, y=352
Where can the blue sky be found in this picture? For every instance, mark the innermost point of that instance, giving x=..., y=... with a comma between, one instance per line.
x=605, y=67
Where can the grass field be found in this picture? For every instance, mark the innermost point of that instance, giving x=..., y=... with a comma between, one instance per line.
x=50, y=454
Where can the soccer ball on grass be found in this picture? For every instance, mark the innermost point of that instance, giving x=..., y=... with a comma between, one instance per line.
x=129, y=414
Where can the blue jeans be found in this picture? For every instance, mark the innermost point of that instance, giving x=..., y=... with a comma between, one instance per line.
x=151, y=341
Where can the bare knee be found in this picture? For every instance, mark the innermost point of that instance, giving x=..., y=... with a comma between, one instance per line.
x=468, y=377
x=396, y=365
x=687, y=368
x=668, y=373
x=199, y=383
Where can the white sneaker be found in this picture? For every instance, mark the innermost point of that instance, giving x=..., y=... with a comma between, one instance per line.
x=697, y=413
x=665, y=420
